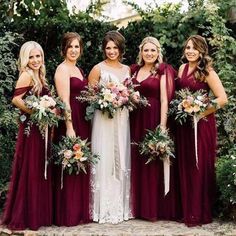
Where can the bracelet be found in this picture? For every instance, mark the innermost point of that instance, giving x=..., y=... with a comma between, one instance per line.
x=68, y=115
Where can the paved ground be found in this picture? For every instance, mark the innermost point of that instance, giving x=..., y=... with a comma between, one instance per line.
x=133, y=228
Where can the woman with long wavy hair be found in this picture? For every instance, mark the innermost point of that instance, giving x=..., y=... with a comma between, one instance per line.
x=29, y=199
x=197, y=174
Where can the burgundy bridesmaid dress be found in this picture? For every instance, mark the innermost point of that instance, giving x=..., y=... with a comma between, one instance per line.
x=147, y=180
x=197, y=184
x=29, y=198
x=72, y=201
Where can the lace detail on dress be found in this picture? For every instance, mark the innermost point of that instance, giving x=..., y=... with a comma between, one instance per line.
x=110, y=177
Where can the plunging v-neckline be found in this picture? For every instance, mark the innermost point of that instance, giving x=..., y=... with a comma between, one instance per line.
x=146, y=78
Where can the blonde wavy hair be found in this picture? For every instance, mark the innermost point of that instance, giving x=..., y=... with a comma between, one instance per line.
x=38, y=81
x=154, y=41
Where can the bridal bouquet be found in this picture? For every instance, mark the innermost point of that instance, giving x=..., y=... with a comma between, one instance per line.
x=189, y=103
x=135, y=99
x=111, y=96
x=74, y=155
x=42, y=112
x=157, y=144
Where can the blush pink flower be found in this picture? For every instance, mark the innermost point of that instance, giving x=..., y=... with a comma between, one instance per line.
x=68, y=154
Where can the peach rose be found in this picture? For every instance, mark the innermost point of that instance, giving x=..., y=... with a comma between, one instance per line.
x=76, y=147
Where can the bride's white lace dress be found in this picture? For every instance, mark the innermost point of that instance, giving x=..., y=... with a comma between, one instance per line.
x=110, y=177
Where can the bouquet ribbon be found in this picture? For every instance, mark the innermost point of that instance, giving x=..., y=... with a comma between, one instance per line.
x=62, y=171
x=195, y=121
x=119, y=161
x=46, y=152
x=166, y=166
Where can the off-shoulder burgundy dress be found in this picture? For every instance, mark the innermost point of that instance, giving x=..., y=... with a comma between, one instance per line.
x=197, y=184
x=29, y=198
x=72, y=201
x=147, y=181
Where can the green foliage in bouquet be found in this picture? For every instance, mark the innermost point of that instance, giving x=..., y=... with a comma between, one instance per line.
x=74, y=154
x=111, y=96
x=42, y=112
x=156, y=144
x=188, y=103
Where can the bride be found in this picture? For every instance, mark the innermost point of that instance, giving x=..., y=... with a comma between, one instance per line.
x=110, y=178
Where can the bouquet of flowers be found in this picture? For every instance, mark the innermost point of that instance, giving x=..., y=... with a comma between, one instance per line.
x=157, y=144
x=135, y=99
x=111, y=96
x=74, y=155
x=189, y=103
x=42, y=112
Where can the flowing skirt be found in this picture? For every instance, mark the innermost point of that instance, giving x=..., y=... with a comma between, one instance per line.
x=110, y=177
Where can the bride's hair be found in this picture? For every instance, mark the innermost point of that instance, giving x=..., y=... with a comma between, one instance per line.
x=118, y=40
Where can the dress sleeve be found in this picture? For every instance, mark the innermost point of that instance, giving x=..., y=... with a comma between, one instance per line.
x=19, y=91
x=171, y=74
x=134, y=68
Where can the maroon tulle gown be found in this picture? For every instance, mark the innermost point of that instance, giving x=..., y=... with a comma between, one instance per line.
x=147, y=180
x=29, y=198
x=197, y=184
x=72, y=201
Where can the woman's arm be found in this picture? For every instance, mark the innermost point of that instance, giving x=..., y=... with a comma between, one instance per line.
x=94, y=76
x=23, y=81
x=164, y=102
x=218, y=90
x=62, y=82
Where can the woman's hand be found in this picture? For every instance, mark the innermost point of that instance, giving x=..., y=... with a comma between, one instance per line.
x=163, y=128
x=70, y=133
x=55, y=111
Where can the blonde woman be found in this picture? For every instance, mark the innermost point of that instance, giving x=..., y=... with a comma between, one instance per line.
x=150, y=198
x=29, y=199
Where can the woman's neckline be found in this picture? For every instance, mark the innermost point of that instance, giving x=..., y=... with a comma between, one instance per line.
x=113, y=66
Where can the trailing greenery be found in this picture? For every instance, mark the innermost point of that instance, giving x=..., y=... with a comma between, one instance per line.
x=45, y=21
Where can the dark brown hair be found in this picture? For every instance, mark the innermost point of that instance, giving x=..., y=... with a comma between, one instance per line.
x=118, y=39
x=66, y=41
x=204, y=61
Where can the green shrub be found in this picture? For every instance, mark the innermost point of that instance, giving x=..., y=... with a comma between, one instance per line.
x=8, y=114
x=226, y=181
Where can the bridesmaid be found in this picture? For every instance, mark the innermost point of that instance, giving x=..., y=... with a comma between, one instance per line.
x=198, y=184
x=72, y=201
x=29, y=198
x=156, y=83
